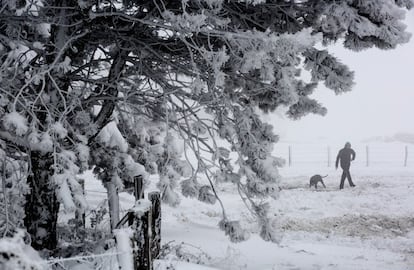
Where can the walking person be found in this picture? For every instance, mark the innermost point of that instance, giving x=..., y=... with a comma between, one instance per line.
x=345, y=155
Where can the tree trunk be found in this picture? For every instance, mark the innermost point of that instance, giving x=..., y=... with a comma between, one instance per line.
x=42, y=206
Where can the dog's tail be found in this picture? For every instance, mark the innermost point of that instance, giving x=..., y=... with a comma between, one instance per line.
x=324, y=176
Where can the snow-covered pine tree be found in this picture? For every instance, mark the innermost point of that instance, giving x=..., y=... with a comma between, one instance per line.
x=111, y=84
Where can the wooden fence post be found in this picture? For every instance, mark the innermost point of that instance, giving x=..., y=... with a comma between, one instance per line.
x=145, y=218
x=138, y=187
x=290, y=156
x=144, y=253
x=367, y=154
x=113, y=203
x=141, y=221
x=406, y=156
x=329, y=156
x=80, y=217
x=155, y=199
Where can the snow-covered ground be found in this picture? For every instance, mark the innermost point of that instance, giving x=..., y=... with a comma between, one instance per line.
x=370, y=226
x=367, y=227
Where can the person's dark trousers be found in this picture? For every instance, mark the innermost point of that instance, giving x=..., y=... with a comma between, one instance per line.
x=346, y=174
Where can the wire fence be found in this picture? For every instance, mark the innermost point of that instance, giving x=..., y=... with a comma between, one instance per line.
x=85, y=258
x=368, y=155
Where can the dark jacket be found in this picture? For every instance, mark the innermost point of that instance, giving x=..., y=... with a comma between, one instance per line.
x=345, y=155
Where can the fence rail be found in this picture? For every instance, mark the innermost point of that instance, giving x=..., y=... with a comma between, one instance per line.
x=366, y=155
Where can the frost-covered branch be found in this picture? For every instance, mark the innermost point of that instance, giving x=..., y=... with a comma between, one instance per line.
x=170, y=88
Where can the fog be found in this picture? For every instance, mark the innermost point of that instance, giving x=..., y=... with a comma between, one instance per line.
x=381, y=103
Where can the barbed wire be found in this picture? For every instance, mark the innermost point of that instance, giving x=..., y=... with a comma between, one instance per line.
x=373, y=155
x=80, y=258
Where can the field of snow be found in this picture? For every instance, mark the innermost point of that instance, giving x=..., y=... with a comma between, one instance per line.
x=370, y=226
x=367, y=227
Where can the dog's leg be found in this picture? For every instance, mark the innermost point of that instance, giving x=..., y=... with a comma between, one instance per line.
x=323, y=184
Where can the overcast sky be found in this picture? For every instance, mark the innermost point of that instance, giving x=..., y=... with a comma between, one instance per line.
x=381, y=103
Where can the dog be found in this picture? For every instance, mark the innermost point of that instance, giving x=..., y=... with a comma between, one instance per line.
x=315, y=179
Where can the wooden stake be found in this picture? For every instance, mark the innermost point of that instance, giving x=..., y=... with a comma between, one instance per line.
x=142, y=256
x=138, y=187
x=290, y=156
x=406, y=156
x=155, y=199
x=329, y=156
x=113, y=203
x=80, y=217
